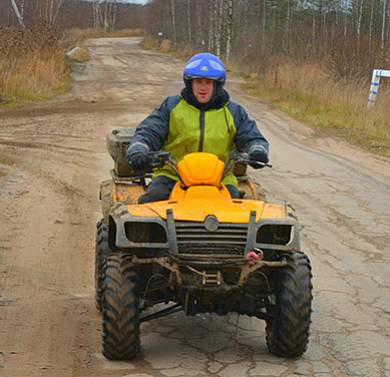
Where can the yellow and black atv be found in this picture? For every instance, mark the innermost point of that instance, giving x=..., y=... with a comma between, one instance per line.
x=198, y=252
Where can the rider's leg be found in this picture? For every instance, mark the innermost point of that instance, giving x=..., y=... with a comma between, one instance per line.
x=159, y=189
x=234, y=193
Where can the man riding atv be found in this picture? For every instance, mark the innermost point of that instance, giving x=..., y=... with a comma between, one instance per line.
x=201, y=119
x=193, y=246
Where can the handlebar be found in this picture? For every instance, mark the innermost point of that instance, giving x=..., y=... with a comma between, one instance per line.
x=236, y=157
x=243, y=157
x=159, y=159
x=156, y=160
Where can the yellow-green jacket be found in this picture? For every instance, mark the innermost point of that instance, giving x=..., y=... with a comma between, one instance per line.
x=180, y=127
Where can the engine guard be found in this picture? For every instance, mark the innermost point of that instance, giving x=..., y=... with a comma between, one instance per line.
x=211, y=280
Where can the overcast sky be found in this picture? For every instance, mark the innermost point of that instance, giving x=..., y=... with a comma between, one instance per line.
x=136, y=1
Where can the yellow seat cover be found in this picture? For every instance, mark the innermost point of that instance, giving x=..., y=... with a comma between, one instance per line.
x=201, y=169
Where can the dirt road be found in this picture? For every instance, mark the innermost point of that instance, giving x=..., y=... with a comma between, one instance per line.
x=52, y=158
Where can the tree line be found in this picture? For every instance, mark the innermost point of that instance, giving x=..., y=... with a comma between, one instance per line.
x=65, y=14
x=351, y=36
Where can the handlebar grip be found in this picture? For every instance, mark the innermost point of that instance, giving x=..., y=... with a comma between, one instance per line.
x=158, y=159
x=260, y=164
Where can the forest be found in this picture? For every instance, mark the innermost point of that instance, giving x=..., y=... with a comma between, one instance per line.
x=67, y=14
x=351, y=36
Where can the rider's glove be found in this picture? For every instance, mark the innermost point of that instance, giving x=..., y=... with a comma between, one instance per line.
x=137, y=157
x=258, y=152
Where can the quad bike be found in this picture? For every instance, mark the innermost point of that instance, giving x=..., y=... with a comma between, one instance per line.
x=198, y=252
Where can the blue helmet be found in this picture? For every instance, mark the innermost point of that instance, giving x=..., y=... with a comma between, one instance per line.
x=205, y=65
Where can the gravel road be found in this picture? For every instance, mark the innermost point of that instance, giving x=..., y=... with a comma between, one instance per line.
x=52, y=159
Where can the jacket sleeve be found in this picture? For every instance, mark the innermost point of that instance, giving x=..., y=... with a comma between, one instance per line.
x=153, y=130
x=248, y=136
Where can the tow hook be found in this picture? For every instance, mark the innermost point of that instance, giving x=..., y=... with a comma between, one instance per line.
x=253, y=256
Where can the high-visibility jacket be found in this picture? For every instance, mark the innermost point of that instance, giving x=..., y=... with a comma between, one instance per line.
x=180, y=128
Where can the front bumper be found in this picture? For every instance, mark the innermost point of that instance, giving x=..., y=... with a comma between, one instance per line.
x=173, y=245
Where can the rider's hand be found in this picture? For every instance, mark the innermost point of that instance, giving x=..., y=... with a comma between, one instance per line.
x=137, y=156
x=258, y=153
x=139, y=161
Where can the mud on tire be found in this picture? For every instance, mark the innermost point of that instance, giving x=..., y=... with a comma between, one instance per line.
x=288, y=330
x=102, y=251
x=121, y=333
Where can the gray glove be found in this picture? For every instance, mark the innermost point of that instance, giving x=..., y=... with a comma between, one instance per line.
x=258, y=153
x=137, y=157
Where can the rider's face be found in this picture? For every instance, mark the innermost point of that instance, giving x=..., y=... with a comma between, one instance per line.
x=203, y=89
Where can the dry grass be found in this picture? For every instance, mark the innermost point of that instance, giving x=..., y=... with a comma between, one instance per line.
x=75, y=37
x=310, y=94
x=150, y=43
x=32, y=65
x=167, y=47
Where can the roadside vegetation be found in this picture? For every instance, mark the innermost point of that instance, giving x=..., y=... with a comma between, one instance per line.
x=32, y=65
x=35, y=36
x=311, y=94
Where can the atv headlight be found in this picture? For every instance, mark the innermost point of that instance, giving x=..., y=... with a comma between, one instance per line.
x=145, y=232
x=274, y=234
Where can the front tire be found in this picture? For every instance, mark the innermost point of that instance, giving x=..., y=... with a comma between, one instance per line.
x=102, y=251
x=120, y=304
x=288, y=330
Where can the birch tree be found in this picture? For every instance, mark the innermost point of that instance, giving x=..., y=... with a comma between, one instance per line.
x=49, y=10
x=104, y=14
x=359, y=22
x=97, y=15
x=18, y=14
x=229, y=29
x=189, y=28
x=173, y=19
x=383, y=25
x=370, y=28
